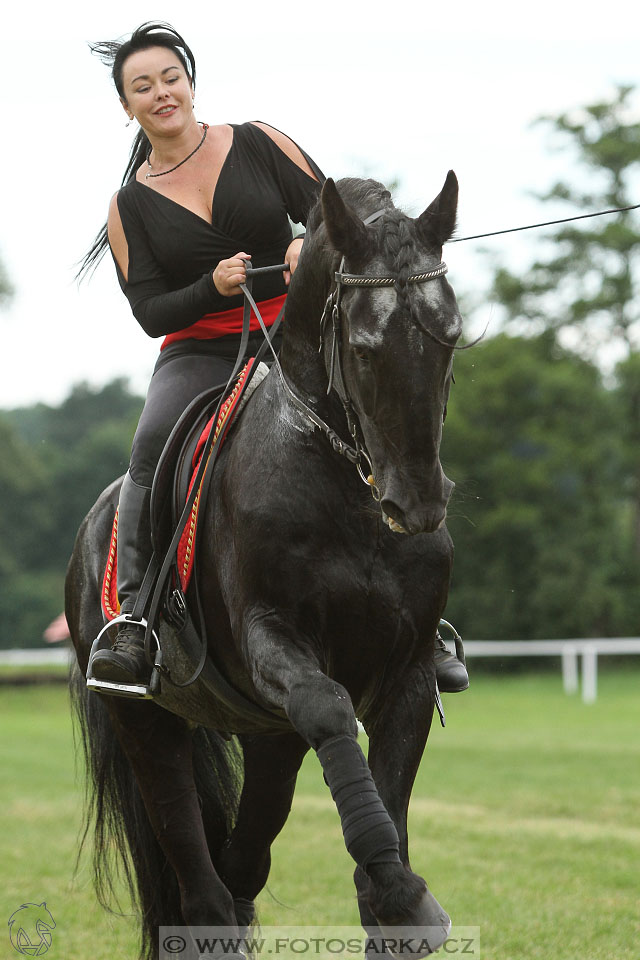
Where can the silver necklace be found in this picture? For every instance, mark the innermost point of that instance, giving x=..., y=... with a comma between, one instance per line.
x=205, y=127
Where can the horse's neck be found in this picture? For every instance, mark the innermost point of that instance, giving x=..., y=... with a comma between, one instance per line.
x=301, y=361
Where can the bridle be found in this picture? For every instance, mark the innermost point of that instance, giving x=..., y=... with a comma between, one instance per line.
x=330, y=347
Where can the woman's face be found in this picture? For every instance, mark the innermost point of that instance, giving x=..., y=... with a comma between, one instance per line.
x=157, y=91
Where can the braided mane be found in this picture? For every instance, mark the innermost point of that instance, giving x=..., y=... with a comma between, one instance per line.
x=399, y=243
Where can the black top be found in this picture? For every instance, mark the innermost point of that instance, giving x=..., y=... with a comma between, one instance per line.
x=173, y=251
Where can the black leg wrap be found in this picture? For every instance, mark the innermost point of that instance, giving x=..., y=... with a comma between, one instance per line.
x=370, y=835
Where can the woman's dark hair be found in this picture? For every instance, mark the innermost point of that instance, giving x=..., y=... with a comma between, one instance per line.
x=113, y=53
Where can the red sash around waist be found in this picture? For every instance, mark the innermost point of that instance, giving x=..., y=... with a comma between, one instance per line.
x=228, y=321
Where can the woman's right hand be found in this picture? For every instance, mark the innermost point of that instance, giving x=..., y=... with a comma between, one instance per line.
x=229, y=274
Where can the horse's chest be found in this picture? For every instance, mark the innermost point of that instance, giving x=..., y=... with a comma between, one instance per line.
x=380, y=590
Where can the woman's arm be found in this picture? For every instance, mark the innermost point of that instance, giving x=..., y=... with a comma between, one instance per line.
x=158, y=309
x=288, y=147
x=291, y=257
x=300, y=191
x=298, y=177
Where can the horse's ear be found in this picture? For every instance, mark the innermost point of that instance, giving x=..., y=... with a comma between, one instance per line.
x=346, y=231
x=438, y=221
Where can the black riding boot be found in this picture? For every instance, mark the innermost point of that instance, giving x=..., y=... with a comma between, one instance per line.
x=126, y=662
x=451, y=672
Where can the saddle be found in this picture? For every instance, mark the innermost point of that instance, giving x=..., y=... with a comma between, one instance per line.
x=201, y=429
x=185, y=464
x=205, y=423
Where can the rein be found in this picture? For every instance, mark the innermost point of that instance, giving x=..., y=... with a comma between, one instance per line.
x=338, y=445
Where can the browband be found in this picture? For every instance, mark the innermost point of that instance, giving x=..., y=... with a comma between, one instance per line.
x=362, y=280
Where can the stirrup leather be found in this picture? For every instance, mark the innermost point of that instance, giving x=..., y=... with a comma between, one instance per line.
x=136, y=691
x=457, y=640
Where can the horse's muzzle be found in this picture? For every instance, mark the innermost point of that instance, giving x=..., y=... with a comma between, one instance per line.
x=413, y=514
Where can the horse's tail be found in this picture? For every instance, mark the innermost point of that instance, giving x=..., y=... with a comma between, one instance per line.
x=120, y=823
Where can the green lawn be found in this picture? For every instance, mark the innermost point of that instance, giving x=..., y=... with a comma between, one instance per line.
x=525, y=820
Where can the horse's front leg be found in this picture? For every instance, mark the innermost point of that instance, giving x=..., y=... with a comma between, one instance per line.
x=289, y=676
x=398, y=727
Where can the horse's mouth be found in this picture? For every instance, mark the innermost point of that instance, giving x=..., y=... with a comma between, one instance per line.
x=430, y=527
x=393, y=524
x=413, y=509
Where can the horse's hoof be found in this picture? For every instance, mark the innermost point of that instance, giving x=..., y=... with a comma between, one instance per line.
x=423, y=934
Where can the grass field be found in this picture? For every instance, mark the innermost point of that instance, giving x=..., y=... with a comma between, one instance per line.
x=525, y=820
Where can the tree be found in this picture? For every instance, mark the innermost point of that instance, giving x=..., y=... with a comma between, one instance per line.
x=83, y=445
x=585, y=287
x=539, y=509
x=586, y=282
x=6, y=290
x=25, y=599
x=55, y=462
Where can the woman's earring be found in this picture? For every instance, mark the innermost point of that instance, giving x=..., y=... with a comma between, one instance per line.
x=129, y=122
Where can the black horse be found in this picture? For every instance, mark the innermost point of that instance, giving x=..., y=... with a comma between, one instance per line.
x=321, y=604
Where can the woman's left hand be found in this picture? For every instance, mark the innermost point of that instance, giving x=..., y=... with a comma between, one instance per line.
x=291, y=257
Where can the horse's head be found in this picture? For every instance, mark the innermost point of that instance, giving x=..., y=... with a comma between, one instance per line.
x=396, y=343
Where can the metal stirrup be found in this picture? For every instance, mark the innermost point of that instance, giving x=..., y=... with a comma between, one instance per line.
x=137, y=691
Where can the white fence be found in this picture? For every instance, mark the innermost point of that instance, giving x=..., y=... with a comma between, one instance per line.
x=567, y=650
x=35, y=658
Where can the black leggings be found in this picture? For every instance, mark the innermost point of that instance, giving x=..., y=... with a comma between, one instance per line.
x=178, y=378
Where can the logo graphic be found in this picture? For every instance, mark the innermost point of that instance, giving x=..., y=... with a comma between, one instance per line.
x=30, y=929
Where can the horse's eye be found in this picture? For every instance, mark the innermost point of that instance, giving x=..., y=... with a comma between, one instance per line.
x=361, y=355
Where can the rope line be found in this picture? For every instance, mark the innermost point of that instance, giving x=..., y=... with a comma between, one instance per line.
x=547, y=223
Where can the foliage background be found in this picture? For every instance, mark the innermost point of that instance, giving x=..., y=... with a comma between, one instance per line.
x=56, y=461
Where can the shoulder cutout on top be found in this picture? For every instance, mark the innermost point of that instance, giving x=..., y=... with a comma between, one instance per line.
x=288, y=147
x=117, y=239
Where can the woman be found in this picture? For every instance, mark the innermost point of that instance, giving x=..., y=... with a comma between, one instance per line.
x=196, y=201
